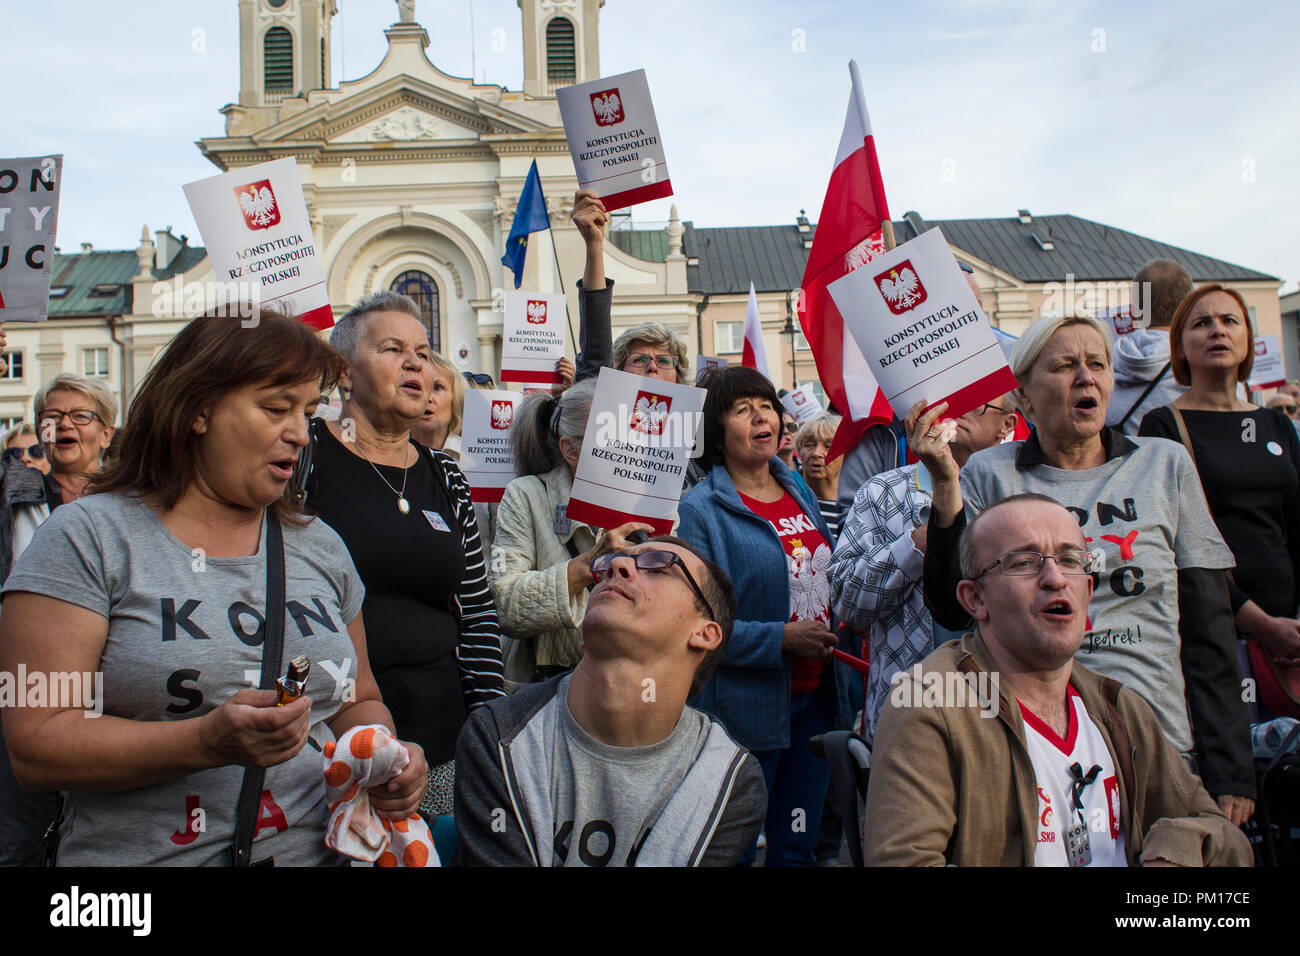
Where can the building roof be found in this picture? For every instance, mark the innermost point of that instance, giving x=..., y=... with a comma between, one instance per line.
x=1043, y=249
x=83, y=272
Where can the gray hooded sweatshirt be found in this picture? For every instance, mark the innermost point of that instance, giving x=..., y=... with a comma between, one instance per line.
x=1139, y=357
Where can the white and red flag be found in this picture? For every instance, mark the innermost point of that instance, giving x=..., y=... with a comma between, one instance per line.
x=754, y=354
x=848, y=235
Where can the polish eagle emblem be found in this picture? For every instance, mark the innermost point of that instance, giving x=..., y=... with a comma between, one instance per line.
x=810, y=588
x=536, y=311
x=649, y=413
x=901, y=288
x=607, y=107
x=257, y=202
x=503, y=414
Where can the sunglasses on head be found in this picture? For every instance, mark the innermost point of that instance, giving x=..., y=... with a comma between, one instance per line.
x=478, y=378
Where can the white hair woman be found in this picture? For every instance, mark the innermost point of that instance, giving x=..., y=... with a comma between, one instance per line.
x=1160, y=615
x=811, y=443
x=75, y=418
x=406, y=516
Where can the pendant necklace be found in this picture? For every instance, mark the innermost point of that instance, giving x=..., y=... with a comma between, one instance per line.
x=403, y=505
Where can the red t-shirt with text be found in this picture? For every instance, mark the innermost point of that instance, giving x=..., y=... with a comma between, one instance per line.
x=807, y=558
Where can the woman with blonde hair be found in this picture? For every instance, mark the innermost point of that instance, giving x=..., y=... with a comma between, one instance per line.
x=75, y=418
x=439, y=428
x=26, y=445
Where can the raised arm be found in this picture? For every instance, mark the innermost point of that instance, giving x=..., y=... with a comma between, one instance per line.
x=877, y=562
x=595, y=292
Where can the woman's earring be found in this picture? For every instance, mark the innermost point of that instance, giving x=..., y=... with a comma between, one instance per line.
x=345, y=393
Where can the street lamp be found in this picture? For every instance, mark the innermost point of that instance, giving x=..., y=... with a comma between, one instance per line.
x=789, y=329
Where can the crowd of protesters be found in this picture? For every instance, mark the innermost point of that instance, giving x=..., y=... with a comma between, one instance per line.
x=563, y=694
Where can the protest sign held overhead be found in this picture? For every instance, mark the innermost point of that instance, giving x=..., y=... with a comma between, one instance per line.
x=254, y=223
x=635, y=451
x=614, y=138
x=923, y=334
x=802, y=403
x=532, y=337
x=1268, y=370
x=703, y=362
x=487, y=458
x=29, y=215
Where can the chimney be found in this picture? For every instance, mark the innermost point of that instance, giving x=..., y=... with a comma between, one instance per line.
x=1025, y=218
x=166, y=246
x=87, y=248
x=802, y=222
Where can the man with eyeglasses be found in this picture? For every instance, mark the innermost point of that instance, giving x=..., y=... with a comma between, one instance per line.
x=607, y=765
x=1068, y=768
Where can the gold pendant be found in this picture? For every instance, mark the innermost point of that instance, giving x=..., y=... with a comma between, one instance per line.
x=403, y=506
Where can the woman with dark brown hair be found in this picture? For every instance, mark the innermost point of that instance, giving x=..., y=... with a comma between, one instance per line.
x=1248, y=460
x=166, y=584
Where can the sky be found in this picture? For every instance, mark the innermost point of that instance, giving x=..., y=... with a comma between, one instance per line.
x=1173, y=120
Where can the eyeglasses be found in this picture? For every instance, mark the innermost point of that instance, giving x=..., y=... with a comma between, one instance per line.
x=642, y=360
x=650, y=561
x=790, y=428
x=15, y=453
x=1019, y=564
x=478, y=378
x=1289, y=409
x=997, y=408
x=79, y=416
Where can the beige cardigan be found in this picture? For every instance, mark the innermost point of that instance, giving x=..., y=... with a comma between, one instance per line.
x=528, y=573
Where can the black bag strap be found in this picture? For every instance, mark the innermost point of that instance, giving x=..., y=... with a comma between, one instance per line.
x=1142, y=398
x=250, y=793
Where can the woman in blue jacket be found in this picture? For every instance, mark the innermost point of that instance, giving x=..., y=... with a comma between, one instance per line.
x=776, y=687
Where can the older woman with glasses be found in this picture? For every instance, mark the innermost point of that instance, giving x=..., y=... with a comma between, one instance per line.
x=75, y=418
x=1248, y=460
x=1160, y=620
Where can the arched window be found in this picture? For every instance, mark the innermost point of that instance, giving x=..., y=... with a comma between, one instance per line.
x=277, y=60
x=561, y=57
x=424, y=291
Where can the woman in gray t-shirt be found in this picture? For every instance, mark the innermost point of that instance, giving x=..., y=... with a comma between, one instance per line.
x=144, y=606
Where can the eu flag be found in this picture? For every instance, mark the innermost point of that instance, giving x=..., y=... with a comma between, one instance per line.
x=530, y=217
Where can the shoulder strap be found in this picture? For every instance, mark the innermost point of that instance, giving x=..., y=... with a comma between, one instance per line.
x=297, y=490
x=1143, y=397
x=250, y=793
x=1182, y=433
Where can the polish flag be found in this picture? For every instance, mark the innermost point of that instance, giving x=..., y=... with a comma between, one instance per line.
x=754, y=355
x=848, y=235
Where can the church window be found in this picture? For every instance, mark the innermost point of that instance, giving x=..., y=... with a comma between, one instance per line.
x=561, y=57
x=421, y=287
x=277, y=58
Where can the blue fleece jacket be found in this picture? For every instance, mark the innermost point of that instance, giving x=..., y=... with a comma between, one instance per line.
x=750, y=691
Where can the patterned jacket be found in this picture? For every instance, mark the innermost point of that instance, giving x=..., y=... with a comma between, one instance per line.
x=875, y=577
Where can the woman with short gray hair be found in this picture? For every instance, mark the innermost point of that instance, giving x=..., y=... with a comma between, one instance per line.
x=405, y=513
x=1160, y=620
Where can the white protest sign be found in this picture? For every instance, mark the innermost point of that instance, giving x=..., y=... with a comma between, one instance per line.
x=29, y=214
x=532, y=336
x=614, y=139
x=1268, y=370
x=802, y=403
x=1120, y=319
x=705, y=362
x=916, y=320
x=486, y=456
x=254, y=224
x=634, y=455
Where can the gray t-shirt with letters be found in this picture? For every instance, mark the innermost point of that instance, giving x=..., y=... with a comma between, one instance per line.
x=185, y=634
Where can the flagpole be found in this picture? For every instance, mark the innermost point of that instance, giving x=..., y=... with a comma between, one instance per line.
x=555, y=252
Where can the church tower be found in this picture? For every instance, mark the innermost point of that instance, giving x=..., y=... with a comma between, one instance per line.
x=284, y=49
x=561, y=43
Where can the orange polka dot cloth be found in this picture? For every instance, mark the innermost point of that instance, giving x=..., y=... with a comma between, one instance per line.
x=369, y=756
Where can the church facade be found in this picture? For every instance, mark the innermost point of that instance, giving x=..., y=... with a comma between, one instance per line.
x=411, y=177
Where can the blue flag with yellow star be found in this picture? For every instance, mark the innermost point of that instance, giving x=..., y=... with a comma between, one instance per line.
x=530, y=217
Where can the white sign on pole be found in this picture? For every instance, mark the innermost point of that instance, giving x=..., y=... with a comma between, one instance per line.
x=637, y=445
x=254, y=224
x=1268, y=370
x=486, y=456
x=614, y=139
x=532, y=336
x=802, y=403
x=916, y=321
x=29, y=214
